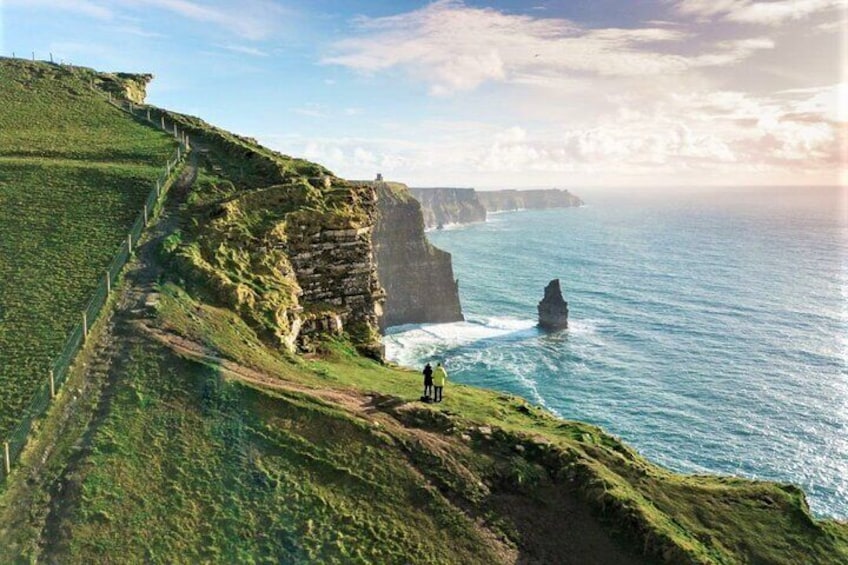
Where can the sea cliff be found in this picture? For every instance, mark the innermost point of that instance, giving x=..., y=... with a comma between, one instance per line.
x=443, y=206
x=506, y=200
x=417, y=277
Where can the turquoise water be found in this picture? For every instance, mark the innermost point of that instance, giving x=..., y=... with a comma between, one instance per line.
x=708, y=329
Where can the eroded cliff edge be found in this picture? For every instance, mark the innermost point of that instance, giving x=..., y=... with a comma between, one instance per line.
x=417, y=277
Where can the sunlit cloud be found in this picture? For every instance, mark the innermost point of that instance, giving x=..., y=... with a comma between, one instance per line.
x=695, y=135
x=747, y=11
x=456, y=48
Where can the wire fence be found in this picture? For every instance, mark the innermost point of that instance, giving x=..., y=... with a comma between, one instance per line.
x=59, y=369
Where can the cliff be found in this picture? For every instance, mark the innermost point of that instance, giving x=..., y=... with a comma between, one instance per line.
x=442, y=206
x=506, y=200
x=417, y=277
x=282, y=241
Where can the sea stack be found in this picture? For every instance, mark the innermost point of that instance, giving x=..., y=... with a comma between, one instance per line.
x=553, y=310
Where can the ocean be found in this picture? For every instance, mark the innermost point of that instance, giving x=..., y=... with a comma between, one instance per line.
x=707, y=328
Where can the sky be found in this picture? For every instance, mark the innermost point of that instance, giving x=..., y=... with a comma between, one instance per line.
x=503, y=94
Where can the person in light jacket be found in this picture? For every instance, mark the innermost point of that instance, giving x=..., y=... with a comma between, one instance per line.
x=440, y=377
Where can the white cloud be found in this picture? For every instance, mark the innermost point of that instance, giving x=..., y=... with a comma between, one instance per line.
x=134, y=30
x=703, y=137
x=244, y=49
x=312, y=110
x=251, y=19
x=748, y=11
x=85, y=7
x=455, y=47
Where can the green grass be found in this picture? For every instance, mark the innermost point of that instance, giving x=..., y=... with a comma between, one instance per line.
x=703, y=518
x=74, y=173
x=189, y=467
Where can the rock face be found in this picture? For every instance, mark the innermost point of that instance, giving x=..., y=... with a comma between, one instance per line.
x=442, y=206
x=336, y=270
x=553, y=310
x=417, y=277
x=506, y=200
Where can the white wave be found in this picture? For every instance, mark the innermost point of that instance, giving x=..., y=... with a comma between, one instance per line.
x=407, y=345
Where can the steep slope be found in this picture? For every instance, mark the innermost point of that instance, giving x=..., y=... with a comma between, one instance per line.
x=191, y=432
x=417, y=277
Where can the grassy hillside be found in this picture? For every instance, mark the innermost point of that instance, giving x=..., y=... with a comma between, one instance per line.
x=184, y=436
x=74, y=172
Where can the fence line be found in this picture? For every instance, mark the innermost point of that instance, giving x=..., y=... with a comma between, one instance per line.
x=59, y=369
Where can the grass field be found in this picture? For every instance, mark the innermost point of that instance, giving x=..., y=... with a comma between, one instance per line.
x=74, y=173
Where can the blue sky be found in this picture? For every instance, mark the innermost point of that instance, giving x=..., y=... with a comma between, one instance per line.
x=488, y=94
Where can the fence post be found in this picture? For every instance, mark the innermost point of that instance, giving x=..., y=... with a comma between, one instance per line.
x=178, y=153
x=145, y=214
x=108, y=283
x=186, y=143
x=158, y=189
x=84, y=326
x=129, y=243
x=148, y=114
x=162, y=121
x=52, y=385
x=175, y=130
x=8, y=459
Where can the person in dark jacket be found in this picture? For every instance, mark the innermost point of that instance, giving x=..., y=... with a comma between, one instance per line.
x=428, y=381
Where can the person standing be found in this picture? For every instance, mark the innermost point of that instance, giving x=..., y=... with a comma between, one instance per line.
x=440, y=377
x=428, y=381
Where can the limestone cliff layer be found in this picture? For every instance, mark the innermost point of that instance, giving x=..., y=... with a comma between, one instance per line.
x=281, y=241
x=417, y=277
x=442, y=206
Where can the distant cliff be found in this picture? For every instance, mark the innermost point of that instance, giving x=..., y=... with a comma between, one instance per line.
x=505, y=200
x=417, y=277
x=441, y=206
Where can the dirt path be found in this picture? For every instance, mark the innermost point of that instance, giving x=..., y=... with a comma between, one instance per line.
x=91, y=403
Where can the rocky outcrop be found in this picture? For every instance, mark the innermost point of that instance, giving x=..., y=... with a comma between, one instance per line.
x=336, y=270
x=506, y=200
x=443, y=206
x=417, y=277
x=281, y=241
x=553, y=309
